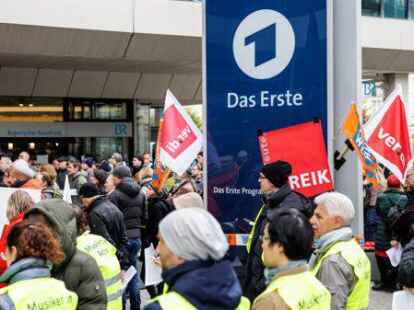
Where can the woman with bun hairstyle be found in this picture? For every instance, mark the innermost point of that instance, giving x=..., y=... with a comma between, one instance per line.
x=31, y=249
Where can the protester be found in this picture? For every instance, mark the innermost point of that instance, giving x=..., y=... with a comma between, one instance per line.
x=197, y=175
x=24, y=156
x=78, y=270
x=287, y=243
x=62, y=172
x=390, y=204
x=98, y=177
x=109, y=185
x=21, y=176
x=76, y=178
x=128, y=198
x=49, y=188
x=105, y=256
x=137, y=165
x=191, y=249
x=402, y=228
x=19, y=202
x=277, y=195
x=147, y=160
x=338, y=261
x=405, y=279
x=105, y=220
x=30, y=247
x=116, y=160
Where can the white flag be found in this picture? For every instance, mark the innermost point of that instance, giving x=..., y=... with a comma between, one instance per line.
x=180, y=139
x=67, y=193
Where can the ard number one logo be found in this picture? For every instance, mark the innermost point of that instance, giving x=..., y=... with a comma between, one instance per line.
x=263, y=44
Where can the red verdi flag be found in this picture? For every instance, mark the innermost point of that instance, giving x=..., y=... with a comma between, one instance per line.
x=388, y=135
x=180, y=139
x=303, y=147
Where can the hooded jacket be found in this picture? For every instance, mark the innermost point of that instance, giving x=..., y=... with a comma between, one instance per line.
x=207, y=285
x=79, y=271
x=131, y=201
x=107, y=221
x=254, y=283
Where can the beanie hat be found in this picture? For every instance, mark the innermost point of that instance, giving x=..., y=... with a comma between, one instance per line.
x=88, y=190
x=23, y=167
x=277, y=173
x=392, y=181
x=189, y=200
x=121, y=172
x=193, y=234
x=100, y=175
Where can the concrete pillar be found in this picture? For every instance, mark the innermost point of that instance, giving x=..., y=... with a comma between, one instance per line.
x=142, y=130
x=347, y=89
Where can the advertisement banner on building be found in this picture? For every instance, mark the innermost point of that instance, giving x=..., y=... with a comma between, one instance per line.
x=265, y=67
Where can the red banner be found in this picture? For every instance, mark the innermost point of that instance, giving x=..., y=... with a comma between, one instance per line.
x=303, y=147
x=388, y=135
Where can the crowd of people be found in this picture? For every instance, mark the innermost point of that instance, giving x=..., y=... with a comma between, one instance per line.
x=301, y=253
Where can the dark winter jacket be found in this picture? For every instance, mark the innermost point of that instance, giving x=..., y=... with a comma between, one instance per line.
x=107, y=221
x=390, y=198
x=61, y=177
x=254, y=283
x=79, y=271
x=206, y=285
x=403, y=230
x=157, y=209
x=128, y=198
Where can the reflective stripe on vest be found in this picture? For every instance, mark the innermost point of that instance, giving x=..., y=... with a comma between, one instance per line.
x=356, y=257
x=300, y=292
x=42, y=293
x=251, y=235
x=174, y=301
x=104, y=254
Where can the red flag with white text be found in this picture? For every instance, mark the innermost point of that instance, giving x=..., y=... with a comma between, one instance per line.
x=303, y=147
x=388, y=136
x=180, y=138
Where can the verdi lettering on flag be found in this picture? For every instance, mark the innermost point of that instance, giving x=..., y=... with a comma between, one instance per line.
x=304, y=148
x=388, y=135
x=353, y=130
x=180, y=139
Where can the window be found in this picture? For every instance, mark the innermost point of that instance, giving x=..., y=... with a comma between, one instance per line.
x=85, y=110
x=395, y=8
x=371, y=7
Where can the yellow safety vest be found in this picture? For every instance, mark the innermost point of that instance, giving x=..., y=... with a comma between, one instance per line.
x=251, y=235
x=104, y=254
x=174, y=301
x=300, y=291
x=41, y=293
x=355, y=256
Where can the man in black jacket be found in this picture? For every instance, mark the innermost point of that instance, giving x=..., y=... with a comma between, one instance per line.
x=105, y=220
x=128, y=197
x=277, y=194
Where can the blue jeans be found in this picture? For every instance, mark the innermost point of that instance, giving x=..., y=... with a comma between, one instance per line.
x=134, y=246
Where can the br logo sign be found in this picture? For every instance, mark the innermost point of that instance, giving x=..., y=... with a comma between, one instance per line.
x=264, y=44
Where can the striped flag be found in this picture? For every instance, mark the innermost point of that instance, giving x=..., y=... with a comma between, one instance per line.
x=353, y=130
x=160, y=175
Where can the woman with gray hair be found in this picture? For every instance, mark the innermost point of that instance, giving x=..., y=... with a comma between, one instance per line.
x=338, y=261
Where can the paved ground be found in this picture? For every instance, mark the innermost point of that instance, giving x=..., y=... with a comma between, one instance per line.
x=380, y=301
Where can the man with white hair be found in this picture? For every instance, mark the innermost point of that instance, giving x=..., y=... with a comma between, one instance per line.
x=338, y=261
x=191, y=247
